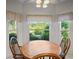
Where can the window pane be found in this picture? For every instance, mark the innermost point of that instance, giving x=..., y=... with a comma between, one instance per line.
x=12, y=26
x=39, y=31
x=65, y=28
x=64, y=24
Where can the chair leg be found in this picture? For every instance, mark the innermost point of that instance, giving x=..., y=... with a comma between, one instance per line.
x=43, y=57
x=49, y=57
x=63, y=57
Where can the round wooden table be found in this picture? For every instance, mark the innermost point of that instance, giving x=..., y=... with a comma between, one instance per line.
x=39, y=46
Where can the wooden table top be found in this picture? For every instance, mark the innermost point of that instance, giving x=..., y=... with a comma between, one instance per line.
x=39, y=46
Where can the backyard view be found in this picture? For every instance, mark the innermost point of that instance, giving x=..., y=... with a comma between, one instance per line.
x=65, y=30
x=39, y=31
x=12, y=26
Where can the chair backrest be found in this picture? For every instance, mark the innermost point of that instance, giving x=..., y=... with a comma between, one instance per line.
x=46, y=55
x=14, y=46
x=65, y=45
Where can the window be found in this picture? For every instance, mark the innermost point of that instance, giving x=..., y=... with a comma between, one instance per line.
x=39, y=31
x=65, y=29
x=65, y=26
x=39, y=27
x=12, y=26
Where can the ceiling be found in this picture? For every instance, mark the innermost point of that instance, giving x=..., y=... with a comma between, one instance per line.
x=28, y=7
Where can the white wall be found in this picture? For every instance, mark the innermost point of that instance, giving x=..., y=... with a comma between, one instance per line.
x=55, y=32
x=22, y=32
x=19, y=32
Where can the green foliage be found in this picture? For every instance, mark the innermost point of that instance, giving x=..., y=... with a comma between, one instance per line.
x=64, y=24
x=12, y=22
x=12, y=35
x=38, y=26
x=46, y=35
x=47, y=27
x=39, y=31
x=12, y=26
x=64, y=33
x=32, y=37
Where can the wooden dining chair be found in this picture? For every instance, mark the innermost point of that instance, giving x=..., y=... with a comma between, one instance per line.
x=15, y=48
x=65, y=45
x=48, y=55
